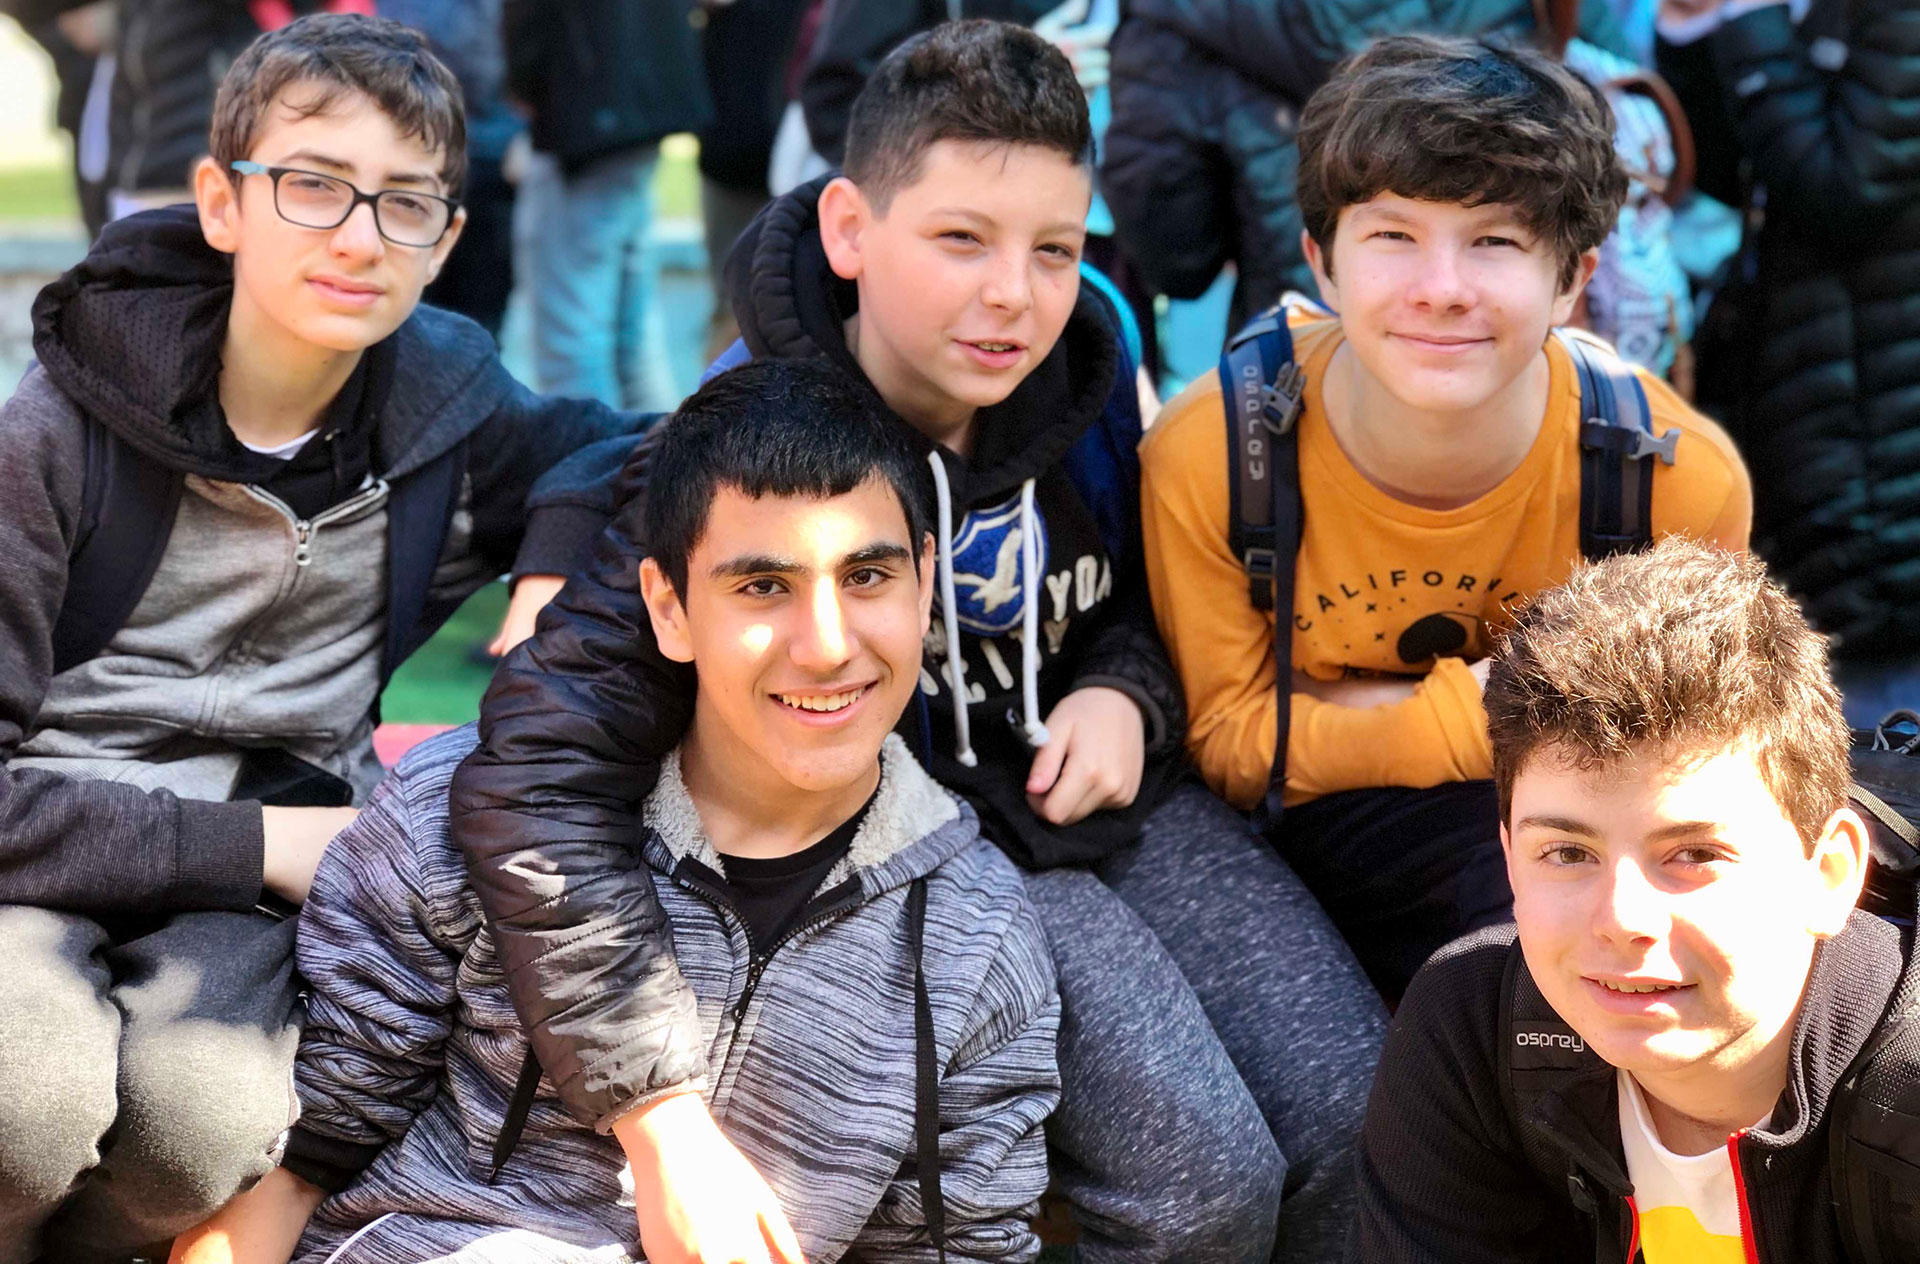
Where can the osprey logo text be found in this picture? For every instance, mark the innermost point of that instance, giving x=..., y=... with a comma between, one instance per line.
x=1547, y=1045
x=1549, y=1040
x=989, y=589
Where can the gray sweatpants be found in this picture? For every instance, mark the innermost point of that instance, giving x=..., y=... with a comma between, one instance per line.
x=149, y=1075
x=1217, y=1042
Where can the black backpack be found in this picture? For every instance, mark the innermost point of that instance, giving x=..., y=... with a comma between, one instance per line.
x=1263, y=389
x=1873, y=1136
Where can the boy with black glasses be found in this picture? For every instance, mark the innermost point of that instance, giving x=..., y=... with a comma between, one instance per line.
x=245, y=481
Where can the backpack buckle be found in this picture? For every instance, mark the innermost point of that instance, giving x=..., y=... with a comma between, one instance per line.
x=1632, y=443
x=1259, y=563
x=1282, y=403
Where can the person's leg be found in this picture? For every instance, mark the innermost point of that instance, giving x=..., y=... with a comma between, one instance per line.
x=1284, y=993
x=1401, y=872
x=1156, y=1143
x=640, y=360
x=725, y=212
x=576, y=232
x=205, y=1082
x=58, y=1033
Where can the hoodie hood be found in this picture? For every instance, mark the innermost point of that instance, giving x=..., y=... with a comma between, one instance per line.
x=791, y=305
x=133, y=333
x=911, y=827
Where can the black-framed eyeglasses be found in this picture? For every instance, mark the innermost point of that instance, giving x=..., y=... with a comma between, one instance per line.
x=309, y=199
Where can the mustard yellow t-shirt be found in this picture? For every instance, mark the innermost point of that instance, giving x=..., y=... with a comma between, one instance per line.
x=1381, y=587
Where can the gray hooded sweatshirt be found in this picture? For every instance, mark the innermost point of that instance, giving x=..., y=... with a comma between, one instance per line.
x=412, y=1049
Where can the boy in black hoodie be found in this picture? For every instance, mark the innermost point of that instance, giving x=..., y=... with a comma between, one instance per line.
x=941, y=272
x=246, y=479
x=1645, y=1066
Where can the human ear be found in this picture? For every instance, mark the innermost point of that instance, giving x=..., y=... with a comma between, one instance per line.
x=1322, y=265
x=844, y=215
x=668, y=615
x=216, y=195
x=445, y=245
x=1840, y=857
x=1564, y=302
x=928, y=560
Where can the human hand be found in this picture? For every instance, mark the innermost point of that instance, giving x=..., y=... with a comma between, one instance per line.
x=1362, y=692
x=1672, y=11
x=296, y=838
x=91, y=27
x=1095, y=752
x=697, y=1198
x=261, y=1226
x=531, y=593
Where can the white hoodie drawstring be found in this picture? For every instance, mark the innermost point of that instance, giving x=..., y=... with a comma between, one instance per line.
x=1034, y=731
x=962, y=740
x=1029, y=722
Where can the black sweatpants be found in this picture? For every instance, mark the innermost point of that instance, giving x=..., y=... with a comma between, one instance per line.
x=1401, y=872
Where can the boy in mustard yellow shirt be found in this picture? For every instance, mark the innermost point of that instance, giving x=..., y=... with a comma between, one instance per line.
x=1455, y=194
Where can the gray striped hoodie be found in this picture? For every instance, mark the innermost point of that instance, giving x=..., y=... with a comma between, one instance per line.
x=412, y=1044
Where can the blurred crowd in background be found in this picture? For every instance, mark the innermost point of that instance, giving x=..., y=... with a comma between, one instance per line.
x=1767, y=261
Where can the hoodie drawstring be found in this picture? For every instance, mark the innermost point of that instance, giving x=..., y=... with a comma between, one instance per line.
x=1035, y=732
x=1029, y=721
x=950, y=614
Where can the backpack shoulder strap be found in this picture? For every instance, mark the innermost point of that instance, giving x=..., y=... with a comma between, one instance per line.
x=127, y=509
x=1617, y=447
x=1262, y=390
x=1537, y=1051
x=1873, y=1135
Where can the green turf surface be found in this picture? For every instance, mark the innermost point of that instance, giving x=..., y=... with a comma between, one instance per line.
x=38, y=193
x=441, y=684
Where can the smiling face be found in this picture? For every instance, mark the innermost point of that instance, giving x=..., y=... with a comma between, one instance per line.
x=1669, y=911
x=340, y=289
x=1444, y=306
x=967, y=277
x=803, y=618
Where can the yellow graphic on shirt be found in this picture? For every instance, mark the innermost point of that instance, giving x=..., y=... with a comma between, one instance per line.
x=1673, y=1235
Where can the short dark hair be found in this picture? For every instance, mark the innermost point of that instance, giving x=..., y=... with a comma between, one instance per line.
x=974, y=80
x=329, y=55
x=1442, y=119
x=1683, y=651
x=773, y=428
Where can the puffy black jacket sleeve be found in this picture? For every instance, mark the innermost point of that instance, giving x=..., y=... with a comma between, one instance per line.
x=1836, y=150
x=1442, y=1177
x=546, y=811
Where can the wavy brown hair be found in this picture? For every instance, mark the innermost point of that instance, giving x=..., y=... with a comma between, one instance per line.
x=1473, y=122
x=1684, y=651
x=318, y=60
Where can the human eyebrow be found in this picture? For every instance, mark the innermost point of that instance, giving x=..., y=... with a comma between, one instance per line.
x=873, y=554
x=314, y=156
x=1683, y=829
x=317, y=158
x=748, y=565
x=1557, y=825
x=961, y=212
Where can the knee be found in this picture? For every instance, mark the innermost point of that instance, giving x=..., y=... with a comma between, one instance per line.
x=55, y=1111
x=58, y=1038
x=202, y=1115
x=1234, y=1208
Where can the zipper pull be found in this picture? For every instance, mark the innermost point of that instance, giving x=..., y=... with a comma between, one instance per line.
x=754, y=969
x=302, y=542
